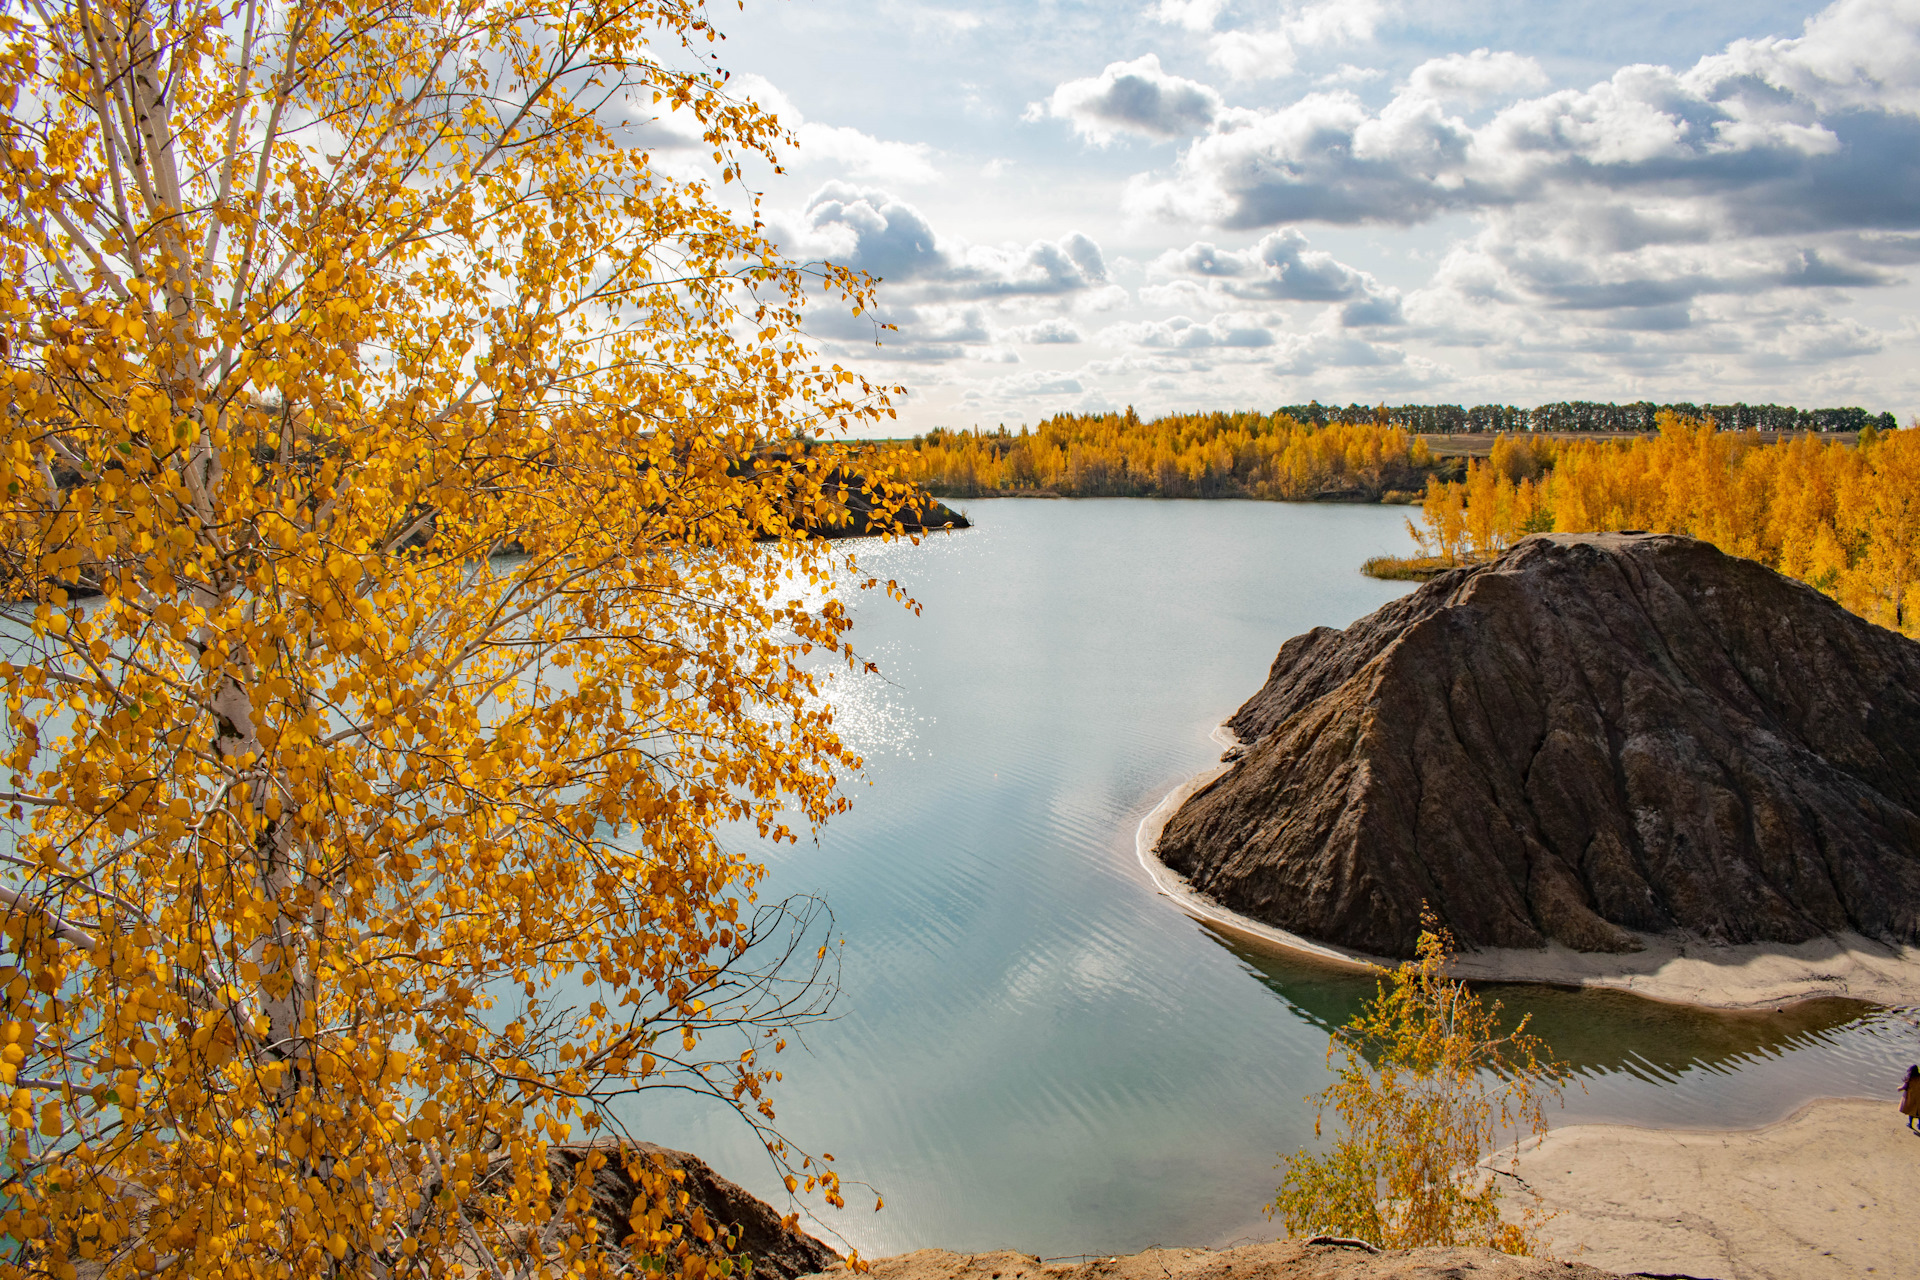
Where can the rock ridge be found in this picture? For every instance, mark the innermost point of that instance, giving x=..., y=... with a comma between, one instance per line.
x=1591, y=737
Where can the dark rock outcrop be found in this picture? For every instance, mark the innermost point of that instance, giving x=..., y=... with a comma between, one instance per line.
x=865, y=516
x=1591, y=735
x=776, y=1249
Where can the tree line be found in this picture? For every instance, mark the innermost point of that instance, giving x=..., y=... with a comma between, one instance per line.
x=1188, y=455
x=1297, y=452
x=1588, y=415
x=1840, y=516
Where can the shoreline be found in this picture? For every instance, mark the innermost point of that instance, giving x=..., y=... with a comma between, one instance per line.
x=1751, y=976
x=1816, y=1195
x=1811, y=1195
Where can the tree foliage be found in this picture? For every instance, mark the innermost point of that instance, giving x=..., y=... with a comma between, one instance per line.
x=1210, y=455
x=1841, y=515
x=350, y=861
x=1428, y=1082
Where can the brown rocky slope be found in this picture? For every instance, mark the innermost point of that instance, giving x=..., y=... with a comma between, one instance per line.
x=1591, y=736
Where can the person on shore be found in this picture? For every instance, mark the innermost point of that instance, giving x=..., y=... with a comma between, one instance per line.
x=1910, y=1097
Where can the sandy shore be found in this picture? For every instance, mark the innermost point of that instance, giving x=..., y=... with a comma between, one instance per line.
x=1821, y=1195
x=1754, y=976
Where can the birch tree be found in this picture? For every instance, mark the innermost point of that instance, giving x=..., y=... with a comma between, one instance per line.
x=408, y=582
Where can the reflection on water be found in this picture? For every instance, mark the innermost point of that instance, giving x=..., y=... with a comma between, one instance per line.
x=1035, y=1050
x=1649, y=1061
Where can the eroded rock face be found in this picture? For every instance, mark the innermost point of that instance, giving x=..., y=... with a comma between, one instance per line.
x=1592, y=734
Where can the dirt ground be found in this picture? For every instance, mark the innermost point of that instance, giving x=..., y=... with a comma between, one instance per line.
x=1286, y=1260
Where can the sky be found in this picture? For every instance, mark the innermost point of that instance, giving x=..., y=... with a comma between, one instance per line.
x=1224, y=204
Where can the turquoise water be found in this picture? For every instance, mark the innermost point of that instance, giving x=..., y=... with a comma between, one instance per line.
x=1034, y=1050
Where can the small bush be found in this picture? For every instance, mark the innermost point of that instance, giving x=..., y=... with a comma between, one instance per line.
x=1407, y=568
x=1427, y=1085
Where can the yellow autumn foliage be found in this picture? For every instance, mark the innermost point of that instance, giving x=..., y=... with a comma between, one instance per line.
x=1839, y=514
x=1427, y=1082
x=1196, y=455
x=351, y=862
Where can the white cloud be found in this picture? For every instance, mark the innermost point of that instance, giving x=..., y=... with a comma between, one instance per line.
x=1817, y=133
x=872, y=230
x=1035, y=384
x=1740, y=225
x=865, y=156
x=1477, y=77
x=1272, y=51
x=1325, y=157
x=1131, y=97
x=1347, y=73
x=1282, y=268
x=1194, y=15
x=1303, y=353
x=858, y=154
x=936, y=289
x=1053, y=331
x=1657, y=262
x=1181, y=333
x=1254, y=55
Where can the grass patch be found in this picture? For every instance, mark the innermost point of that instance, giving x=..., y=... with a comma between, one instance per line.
x=1406, y=568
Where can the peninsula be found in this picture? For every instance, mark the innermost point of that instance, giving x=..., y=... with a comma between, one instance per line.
x=1608, y=758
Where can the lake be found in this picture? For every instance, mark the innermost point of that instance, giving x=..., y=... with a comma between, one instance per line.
x=1035, y=1050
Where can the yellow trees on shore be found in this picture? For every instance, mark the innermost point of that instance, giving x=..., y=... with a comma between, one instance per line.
x=1841, y=516
x=349, y=863
x=1213, y=455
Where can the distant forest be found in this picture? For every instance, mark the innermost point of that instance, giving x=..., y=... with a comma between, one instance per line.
x=1183, y=455
x=1299, y=452
x=1589, y=415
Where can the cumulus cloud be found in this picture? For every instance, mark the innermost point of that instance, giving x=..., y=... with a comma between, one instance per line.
x=1304, y=353
x=1049, y=332
x=1281, y=267
x=1326, y=157
x=860, y=154
x=872, y=230
x=937, y=291
x=1819, y=132
x=1539, y=295
x=1131, y=97
x=1476, y=77
x=1182, y=333
x=1604, y=258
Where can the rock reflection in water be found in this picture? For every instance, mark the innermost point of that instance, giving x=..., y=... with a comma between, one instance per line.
x=1650, y=1061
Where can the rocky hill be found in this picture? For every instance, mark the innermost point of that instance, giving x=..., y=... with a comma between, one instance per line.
x=1593, y=736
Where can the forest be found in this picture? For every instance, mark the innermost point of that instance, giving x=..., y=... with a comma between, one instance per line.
x=1841, y=514
x=1196, y=455
x=1588, y=415
x=1295, y=453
